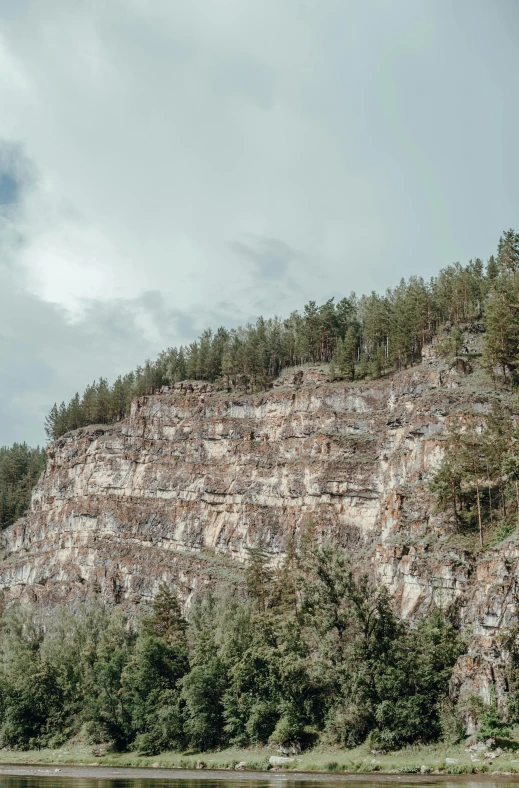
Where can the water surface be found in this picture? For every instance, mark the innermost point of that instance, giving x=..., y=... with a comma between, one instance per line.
x=85, y=777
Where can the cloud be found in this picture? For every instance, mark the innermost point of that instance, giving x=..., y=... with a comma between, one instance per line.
x=171, y=165
x=9, y=188
x=46, y=357
x=271, y=258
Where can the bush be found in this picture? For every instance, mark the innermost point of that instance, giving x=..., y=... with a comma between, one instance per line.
x=490, y=724
x=452, y=724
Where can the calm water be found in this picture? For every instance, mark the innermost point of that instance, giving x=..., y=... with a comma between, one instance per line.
x=277, y=780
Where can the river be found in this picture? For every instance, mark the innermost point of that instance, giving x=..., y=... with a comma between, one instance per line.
x=105, y=777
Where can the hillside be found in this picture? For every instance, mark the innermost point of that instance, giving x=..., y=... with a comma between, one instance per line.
x=180, y=490
x=297, y=531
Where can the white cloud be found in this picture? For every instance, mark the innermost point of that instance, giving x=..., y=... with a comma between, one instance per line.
x=196, y=148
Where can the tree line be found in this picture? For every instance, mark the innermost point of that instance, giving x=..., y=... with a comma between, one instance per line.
x=20, y=468
x=365, y=336
x=312, y=651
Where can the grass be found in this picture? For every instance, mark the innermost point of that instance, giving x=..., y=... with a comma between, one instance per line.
x=414, y=759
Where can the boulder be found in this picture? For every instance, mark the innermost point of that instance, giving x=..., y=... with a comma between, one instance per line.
x=278, y=760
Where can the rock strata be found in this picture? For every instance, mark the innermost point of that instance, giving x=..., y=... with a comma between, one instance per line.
x=195, y=476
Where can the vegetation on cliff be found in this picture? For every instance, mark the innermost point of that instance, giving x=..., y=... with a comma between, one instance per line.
x=20, y=468
x=478, y=479
x=365, y=336
x=310, y=651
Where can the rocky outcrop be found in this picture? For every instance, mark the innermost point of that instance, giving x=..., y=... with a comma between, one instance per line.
x=196, y=476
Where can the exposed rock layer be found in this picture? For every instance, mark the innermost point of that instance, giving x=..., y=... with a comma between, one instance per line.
x=194, y=477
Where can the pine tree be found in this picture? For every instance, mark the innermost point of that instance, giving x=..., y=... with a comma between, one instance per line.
x=473, y=462
x=285, y=578
x=447, y=481
x=20, y=468
x=452, y=346
x=502, y=332
x=258, y=576
x=377, y=362
x=103, y=403
x=166, y=620
x=227, y=368
x=118, y=400
x=510, y=469
x=497, y=439
x=346, y=350
x=192, y=365
x=508, y=252
x=51, y=423
x=492, y=269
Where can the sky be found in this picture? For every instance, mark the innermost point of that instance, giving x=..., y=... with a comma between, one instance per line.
x=171, y=165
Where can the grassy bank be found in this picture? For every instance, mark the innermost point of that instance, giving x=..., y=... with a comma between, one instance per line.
x=406, y=761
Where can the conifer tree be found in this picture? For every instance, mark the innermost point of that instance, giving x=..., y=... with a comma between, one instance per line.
x=181, y=369
x=363, y=366
x=285, y=578
x=502, y=331
x=51, y=423
x=447, y=481
x=492, y=269
x=346, y=350
x=166, y=620
x=510, y=470
x=508, y=252
x=227, y=368
x=258, y=576
x=20, y=468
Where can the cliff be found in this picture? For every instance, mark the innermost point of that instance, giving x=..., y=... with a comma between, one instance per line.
x=195, y=476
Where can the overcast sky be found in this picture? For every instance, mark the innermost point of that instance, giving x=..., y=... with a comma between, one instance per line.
x=166, y=165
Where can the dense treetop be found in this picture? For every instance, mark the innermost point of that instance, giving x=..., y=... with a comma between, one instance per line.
x=365, y=336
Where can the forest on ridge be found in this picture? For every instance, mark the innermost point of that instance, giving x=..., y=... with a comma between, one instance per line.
x=360, y=337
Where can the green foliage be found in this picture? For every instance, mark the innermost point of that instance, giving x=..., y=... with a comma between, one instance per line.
x=20, y=468
x=502, y=530
x=258, y=575
x=54, y=677
x=150, y=689
x=452, y=724
x=452, y=345
x=490, y=723
x=478, y=478
x=509, y=642
x=203, y=687
x=386, y=677
x=166, y=620
x=346, y=354
x=327, y=658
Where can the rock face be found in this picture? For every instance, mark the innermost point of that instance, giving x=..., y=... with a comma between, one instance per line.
x=194, y=477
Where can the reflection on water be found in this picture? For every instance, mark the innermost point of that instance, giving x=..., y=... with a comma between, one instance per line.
x=273, y=780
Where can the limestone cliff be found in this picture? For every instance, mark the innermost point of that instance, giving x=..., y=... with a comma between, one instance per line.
x=195, y=476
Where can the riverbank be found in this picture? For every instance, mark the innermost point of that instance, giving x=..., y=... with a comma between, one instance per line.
x=419, y=760
x=135, y=773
